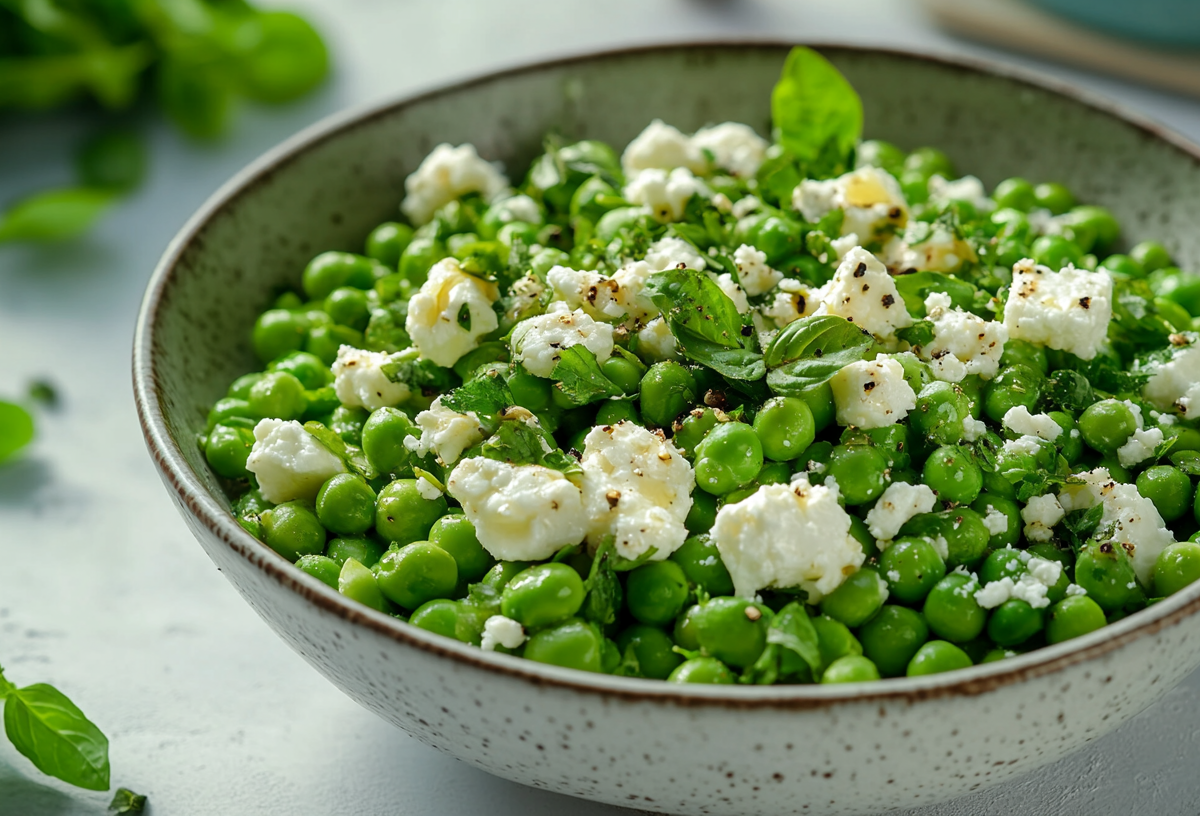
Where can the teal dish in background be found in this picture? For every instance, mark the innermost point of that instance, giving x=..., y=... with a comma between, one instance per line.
x=1167, y=22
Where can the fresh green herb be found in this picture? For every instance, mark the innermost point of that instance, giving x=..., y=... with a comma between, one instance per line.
x=53, y=734
x=44, y=393
x=808, y=352
x=485, y=396
x=815, y=109
x=419, y=374
x=16, y=429
x=792, y=649
x=920, y=333
x=126, y=801
x=55, y=215
x=1067, y=390
x=1186, y=460
x=1079, y=525
x=353, y=457
x=916, y=286
x=578, y=376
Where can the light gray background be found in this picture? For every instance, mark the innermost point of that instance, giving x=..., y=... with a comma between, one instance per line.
x=103, y=591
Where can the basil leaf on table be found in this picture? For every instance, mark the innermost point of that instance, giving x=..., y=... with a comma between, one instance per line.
x=578, y=376
x=16, y=429
x=815, y=109
x=55, y=215
x=126, y=801
x=53, y=734
x=808, y=352
x=706, y=324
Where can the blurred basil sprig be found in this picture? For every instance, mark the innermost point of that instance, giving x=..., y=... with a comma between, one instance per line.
x=195, y=58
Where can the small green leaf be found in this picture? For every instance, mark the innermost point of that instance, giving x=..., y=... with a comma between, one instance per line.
x=1067, y=390
x=288, y=60
x=55, y=215
x=578, y=376
x=44, y=393
x=793, y=631
x=815, y=108
x=920, y=333
x=51, y=731
x=126, y=801
x=16, y=429
x=112, y=160
x=464, y=317
x=808, y=352
x=485, y=396
x=355, y=460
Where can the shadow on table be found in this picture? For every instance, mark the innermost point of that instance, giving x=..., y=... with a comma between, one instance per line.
x=22, y=481
x=26, y=797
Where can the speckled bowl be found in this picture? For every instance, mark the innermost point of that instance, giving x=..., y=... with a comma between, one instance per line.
x=653, y=746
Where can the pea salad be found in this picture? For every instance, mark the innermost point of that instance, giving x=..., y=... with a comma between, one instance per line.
x=724, y=409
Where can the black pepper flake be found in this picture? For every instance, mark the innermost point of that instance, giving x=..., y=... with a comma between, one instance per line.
x=747, y=331
x=1085, y=302
x=887, y=301
x=860, y=270
x=818, y=352
x=895, y=212
x=866, y=286
x=869, y=385
x=800, y=303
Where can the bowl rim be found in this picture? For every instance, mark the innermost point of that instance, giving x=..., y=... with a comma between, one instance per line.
x=190, y=493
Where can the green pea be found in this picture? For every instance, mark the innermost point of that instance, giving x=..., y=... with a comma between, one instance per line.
x=929, y=161
x=892, y=638
x=383, y=437
x=626, y=373
x=860, y=471
x=1177, y=316
x=416, y=573
x=1015, y=385
x=1014, y=622
x=778, y=237
x=1116, y=470
x=964, y=531
x=1151, y=256
x=276, y=332
x=703, y=514
x=499, y=575
x=543, y=595
x=278, y=395
x=917, y=372
x=363, y=550
x=999, y=564
x=701, y=562
x=1070, y=441
x=939, y=413
x=952, y=473
x=1072, y=617
x=292, y=530
x=988, y=503
x=613, y=221
x=820, y=403
x=1176, y=566
x=785, y=427
x=1054, y=197
x=851, y=669
x=305, y=367
x=702, y=670
x=653, y=648
x=656, y=592
x=227, y=450
x=1107, y=425
x=937, y=656
x=387, y=241
x=324, y=569
x=1016, y=193
x=834, y=639
x=729, y=457
x=324, y=341
x=251, y=503
x=774, y=473
x=358, y=583
x=456, y=535
x=951, y=609
x=667, y=389
x=416, y=258
x=572, y=644
x=689, y=431
x=348, y=424
x=613, y=411
x=862, y=534
x=912, y=567
x=346, y=504
x=547, y=259
x=733, y=630
x=881, y=154
x=440, y=616
x=240, y=388
x=403, y=515
x=859, y=597
x=1123, y=266
x=332, y=270
x=348, y=307
x=1168, y=487
x=1022, y=352
x=996, y=655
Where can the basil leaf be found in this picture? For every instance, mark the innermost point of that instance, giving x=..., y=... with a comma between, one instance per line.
x=355, y=460
x=126, y=801
x=706, y=324
x=814, y=108
x=914, y=287
x=55, y=215
x=777, y=177
x=56, y=736
x=578, y=376
x=16, y=429
x=808, y=352
x=920, y=333
x=793, y=631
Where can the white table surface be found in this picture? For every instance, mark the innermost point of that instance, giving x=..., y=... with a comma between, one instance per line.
x=105, y=593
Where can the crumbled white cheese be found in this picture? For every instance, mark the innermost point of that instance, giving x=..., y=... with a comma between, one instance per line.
x=871, y=199
x=1135, y=522
x=792, y=300
x=1075, y=589
x=893, y=576
x=864, y=292
x=427, y=489
x=670, y=252
x=1018, y=420
x=1040, y=515
x=933, y=248
x=963, y=343
x=1067, y=310
x=288, y=462
x=899, y=503
x=636, y=487
x=665, y=194
x=996, y=521
x=1027, y=445
x=968, y=188
x=663, y=147
x=538, y=343
x=524, y=295
x=1031, y=586
x=732, y=291
x=359, y=381
x=445, y=432
x=1139, y=447
x=501, y=631
x=1175, y=384
x=519, y=208
x=450, y=312
x=445, y=174
x=842, y=246
x=787, y=536
x=754, y=274
x=734, y=147
x=745, y=206
x=872, y=393
x=941, y=546
x=973, y=429
x=655, y=341
x=520, y=512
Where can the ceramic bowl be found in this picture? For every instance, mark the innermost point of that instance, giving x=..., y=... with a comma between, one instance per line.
x=649, y=745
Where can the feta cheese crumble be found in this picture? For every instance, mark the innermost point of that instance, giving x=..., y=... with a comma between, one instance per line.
x=996, y=521
x=872, y=393
x=538, y=342
x=662, y=147
x=1067, y=310
x=755, y=276
x=445, y=432
x=871, y=199
x=1139, y=447
x=501, y=631
x=734, y=147
x=1020, y=421
x=1175, y=384
x=864, y=292
x=788, y=536
x=520, y=512
x=636, y=487
x=445, y=174
x=1031, y=586
x=899, y=503
x=670, y=252
x=963, y=343
x=656, y=341
x=792, y=300
x=359, y=381
x=1040, y=515
x=288, y=462
x=665, y=194
x=450, y=312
